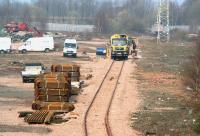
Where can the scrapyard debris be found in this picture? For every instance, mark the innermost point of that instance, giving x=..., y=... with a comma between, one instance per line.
x=76, y=85
x=194, y=121
x=17, y=63
x=134, y=118
x=82, y=82
x=89, y=76
x=20, y=32
x=84, y=53
x=150, y=133
x=73, y=115
x=145, y=108
x=111, y=78
x=189, y=88
x=56, y=34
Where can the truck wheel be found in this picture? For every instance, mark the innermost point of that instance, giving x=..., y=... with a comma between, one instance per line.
x=74, y=56
x=1, y=52
x=24, y=80
x=46, y=50
x=126, y=57
x=24, y=51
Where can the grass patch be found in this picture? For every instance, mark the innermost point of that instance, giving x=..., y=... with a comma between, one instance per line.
x=163, y=112
x=165, y=57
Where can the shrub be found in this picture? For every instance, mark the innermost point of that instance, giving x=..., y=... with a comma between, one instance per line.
x=192, y=70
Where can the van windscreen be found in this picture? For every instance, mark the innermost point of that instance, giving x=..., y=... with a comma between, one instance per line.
x=70, y=45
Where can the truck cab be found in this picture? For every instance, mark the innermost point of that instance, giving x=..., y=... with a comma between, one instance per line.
x=31, y=71
x=70, y=48
x=119, y=46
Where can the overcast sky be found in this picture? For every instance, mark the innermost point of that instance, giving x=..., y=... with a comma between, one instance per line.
x=180, y=1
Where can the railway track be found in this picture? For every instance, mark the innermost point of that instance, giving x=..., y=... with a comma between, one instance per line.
x=99, y=112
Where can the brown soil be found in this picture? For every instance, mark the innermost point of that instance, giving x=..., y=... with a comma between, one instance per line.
x=125, y=102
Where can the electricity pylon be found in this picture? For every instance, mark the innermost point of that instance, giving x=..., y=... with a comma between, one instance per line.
x=163, y=21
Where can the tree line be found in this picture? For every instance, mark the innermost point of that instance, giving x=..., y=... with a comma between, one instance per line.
x=107, y=16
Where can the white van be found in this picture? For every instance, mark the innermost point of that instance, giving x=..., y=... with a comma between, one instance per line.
x=45, y=44
x=70, y=48
x=5, y=45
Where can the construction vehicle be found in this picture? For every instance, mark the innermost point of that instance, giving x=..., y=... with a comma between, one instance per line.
x=21, y=26
x=120, y=47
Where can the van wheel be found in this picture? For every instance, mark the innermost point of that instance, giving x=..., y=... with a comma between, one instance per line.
x=24, y=51
x=1, y=52
x=46, y=50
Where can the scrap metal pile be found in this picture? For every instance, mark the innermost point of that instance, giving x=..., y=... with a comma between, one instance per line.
x=20, y=31
x=52, y=93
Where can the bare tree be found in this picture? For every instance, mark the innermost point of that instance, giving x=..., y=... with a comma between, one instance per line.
x=27, y=15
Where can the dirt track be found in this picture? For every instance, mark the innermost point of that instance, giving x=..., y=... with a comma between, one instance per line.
x=125, y=102
x=97, y=113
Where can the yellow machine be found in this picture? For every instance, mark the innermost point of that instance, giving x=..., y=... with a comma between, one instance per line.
x=120, y=47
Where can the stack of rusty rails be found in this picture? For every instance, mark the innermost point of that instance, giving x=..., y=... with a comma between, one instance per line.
x=37, y=117
x=54, y=88
x=54, y=106
x=71, y=70
x=52, y=92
